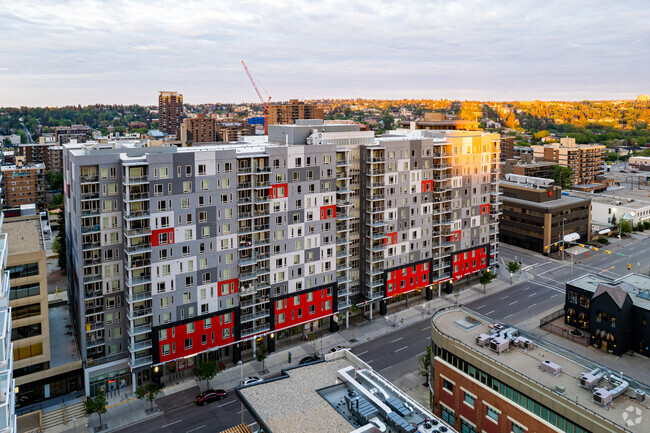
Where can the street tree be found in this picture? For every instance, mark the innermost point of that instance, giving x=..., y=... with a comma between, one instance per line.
x=562, y=176
x=626, y=227
x=313, y=342
x=149, y=392
x=486, y=278
x=261, y=353
x=425, y=364
x=513, y=267
x=206, y=369
x=96, y=405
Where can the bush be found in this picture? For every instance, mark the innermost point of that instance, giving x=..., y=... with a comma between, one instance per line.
x=640, y=227
x=646, y=224
x=603, y=240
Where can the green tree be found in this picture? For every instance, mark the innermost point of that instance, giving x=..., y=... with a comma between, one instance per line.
x=626, y=227
x=261, y=352
x=96, y=405
x=562, y=176
x=613, y=219
x=486, y=278
x=206, y=369
x=513, y=267
x=388, y=120
x=425, y=364
x=6, y=142
x=148, y=392
x=57, y=199
x=59, y=246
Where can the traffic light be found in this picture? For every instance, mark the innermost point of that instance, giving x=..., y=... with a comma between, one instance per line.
x=629, y=267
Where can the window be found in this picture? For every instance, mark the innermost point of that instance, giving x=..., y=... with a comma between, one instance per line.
x=187, y=298
x=466, y=427
x=226, y=333
x=20, y=271
x=162, y=334
x=25, y=311
x=207, y=323
x=190, y=328
x=188, y=343
x=185, y=203
x=164, y=172
x=165, y=349
x=448, y=386
x=203, y=216
x=492, y=414
x=187, y=186
x=25, y=291
x=447, y=415
x=516, y=428
x=202, y=170
x=469, y=399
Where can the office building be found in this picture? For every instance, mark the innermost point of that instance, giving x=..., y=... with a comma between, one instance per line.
x=614, y=311
x=536, y=214
x=341, y=394
x=177, y=251
x=23, y=184
x=232, y=131
x=201, y=129
x=170, y=112
x=7, y=384
x=585, y=160
x=494, y=378
x=288, y=113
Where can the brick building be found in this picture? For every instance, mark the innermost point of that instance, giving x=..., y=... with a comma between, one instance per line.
x=201, y=129
x=23, y=184
x=288, y=113
x=586, y=160
x=170, y=112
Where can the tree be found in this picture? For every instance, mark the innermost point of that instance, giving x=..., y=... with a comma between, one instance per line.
x=96, y=405
x=57, y=199
x=59, y=245
x=148, y=392
x=425, y=364
x=6, y=142
x=513, y=267
x=626, y=227
x=456, y=293
x=261, y=353
x=614, y=219
x=313, y=342
x=486, y=278
x=206, y=369
x=562, y=176
x=388, y=120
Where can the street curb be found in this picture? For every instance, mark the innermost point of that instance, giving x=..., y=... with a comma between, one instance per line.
x=151, y=416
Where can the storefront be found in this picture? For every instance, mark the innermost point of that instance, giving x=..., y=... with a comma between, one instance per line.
x=109, y=381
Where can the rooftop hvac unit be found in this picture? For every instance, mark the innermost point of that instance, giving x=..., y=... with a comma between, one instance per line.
x=588, y=380
x=602, y=396
x=524, y=343
x=482, y=340
x=639, y=394
x=498, y=344
x=550, y=367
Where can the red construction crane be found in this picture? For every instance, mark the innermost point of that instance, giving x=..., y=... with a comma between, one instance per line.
x=265, y=104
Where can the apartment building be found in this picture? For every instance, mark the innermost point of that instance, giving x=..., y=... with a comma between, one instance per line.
x=288, y=113
x=201, y=129
x=7, y=384
x=441, y=122
x=170, y=112
x=526, y=166
x=493, y=378
x=586, y=160
x=174, y=252
x=23, y=184
x=67, y=134
x=45, y=153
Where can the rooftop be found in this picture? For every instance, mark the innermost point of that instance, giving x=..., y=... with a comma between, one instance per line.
x=63, y=348
x=621, y=197
x=637, y=285
x=527, y=362
x=24, y=235
x=314, y=398
x=551, y=204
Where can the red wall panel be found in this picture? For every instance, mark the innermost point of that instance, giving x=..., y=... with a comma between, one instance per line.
x=470, y=264
x=279, y=190
x=427, y=185
x=413, y=280
x=155, y=238
x=327, y=212
x=220, y=287
x=296, y=314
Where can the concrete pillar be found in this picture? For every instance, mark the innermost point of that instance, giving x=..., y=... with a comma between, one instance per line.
x=254, y=346
x=370, y=310
x=428, y=293
x=236, y=353
x=270, y=342
x=383, y=307
x=347, y=318
x=134, y=384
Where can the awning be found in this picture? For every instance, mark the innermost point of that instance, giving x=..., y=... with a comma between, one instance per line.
x=604, y=232
x=571, y=237
x=609, y=337
x=570, y=312
x=581, y=316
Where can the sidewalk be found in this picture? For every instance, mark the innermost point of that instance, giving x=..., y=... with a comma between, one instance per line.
x=124, y=409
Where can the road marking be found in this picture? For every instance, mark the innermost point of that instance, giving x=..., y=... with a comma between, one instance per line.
x=225, y=404
x=426, y=329
x=551, y=270
x=171, y=423
x=386, y=368
x=530, y=267
x=532, y=305
x=489, y=312
x=245, y=410
x=368, y=362
x=397, y=339
x=547, y=286
x=401, y=348
x=195, y=429
x=507, y=316
x=362, y=353
x=553, y=296
x=478, y=308
x=504, y=297
x=512, y=303
x=532, y=294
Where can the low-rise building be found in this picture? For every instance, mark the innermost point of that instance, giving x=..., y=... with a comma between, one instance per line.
x=614, y=207
x=439, y=121
x=79, y=133
x=585, y=160
x=489, y=377
x=526, y=166
x=640, y=162
x=536, y=214
x=341, y=394
x=615, y=311
x=23, y=184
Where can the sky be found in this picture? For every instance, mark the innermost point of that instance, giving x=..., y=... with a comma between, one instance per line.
x=59, y=52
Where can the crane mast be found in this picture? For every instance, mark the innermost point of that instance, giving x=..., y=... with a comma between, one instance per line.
x=265, y=104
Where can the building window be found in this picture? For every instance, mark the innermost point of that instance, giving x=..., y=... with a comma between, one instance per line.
x=190, y=328
x=448, y=385
x=447, y=415
x=516, y=428
x=165, y=349
x=466, y=427
x=492, y=414
x=20, y=271
x=188, y=343
x=469, y=399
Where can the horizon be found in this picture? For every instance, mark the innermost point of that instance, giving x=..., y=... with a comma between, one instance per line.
x=122, y=52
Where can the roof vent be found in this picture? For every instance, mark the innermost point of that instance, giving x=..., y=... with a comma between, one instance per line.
x=550, y=367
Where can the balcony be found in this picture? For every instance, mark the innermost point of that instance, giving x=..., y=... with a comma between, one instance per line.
x=138, y=313
x=252, y=302
x=92, y=278
x=85, y=246
x=140, y=345
x=136, y=196
x=375, y=159
x=376, y=196
x=136, y=249
x=90, y=294
x=138, y=215
x=255, y=330
x=343, y=279
x=137, y=280
x=137, y=330
x=343, y=203
x=377, y=209
x=90, y=212
x=89, y=196
x=137, y=297
x=143, y=231
x=140, y=362
x=89, y=179
x=94, y=342
x=135, y=180
x=136, y=264
x=256, y=315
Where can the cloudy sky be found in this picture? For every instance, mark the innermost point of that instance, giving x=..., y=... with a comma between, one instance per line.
x=59, y=52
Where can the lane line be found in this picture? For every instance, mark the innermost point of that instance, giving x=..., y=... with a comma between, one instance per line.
x=512, y=303
x=553, y=296
x=547, y=286
x=425, y=329
x=195, y=429
x=397, y=339
x=532, y=305
x=368, y=362
x=532, y=294
x=362, y=353
x=478, y=308
x=171, y=423
x=504, y=297
x=488, y=313
x=386, y=368
x=401, y=348
x=226, y=404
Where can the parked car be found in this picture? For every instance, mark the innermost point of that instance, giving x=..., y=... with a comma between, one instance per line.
x=309, y=359
x=251, y=379
x=209, y=396
x=337, y=348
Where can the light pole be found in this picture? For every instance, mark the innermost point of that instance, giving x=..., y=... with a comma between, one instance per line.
x=241, y=382
x=563, y=219
x=511, y=278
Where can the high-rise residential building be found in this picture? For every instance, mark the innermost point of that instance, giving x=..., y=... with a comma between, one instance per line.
x=491, y=377
x=170, y=112
x=585, y=160
x=526, y=166
x=288, y=113
x=23, y=184
x=7, y=384
x=67, y=134
x=175, y=252
x=201, y=129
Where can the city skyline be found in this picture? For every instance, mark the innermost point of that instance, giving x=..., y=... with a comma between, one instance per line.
x=124, y=52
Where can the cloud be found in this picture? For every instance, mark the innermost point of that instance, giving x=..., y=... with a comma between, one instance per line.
x=124, y=51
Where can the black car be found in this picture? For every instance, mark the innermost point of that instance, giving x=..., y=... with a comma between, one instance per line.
x=210, y=396
x=309, y=359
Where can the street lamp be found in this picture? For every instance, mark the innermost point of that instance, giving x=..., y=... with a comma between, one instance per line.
x=563, y=219
x=511, y=278
x=241, y=382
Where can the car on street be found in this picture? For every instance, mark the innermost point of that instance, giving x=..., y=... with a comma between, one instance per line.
x=337, y=348
x=209, y=396
x=309, y=359
x=250, y=380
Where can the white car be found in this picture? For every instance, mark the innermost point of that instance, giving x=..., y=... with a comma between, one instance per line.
x=251, y=379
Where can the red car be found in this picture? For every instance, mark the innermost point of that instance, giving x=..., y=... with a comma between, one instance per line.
x=209, y=396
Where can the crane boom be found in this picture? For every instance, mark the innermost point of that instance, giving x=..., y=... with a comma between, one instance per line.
x=264, y=104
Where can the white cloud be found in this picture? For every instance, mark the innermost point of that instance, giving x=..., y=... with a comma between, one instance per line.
x=75, y=51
